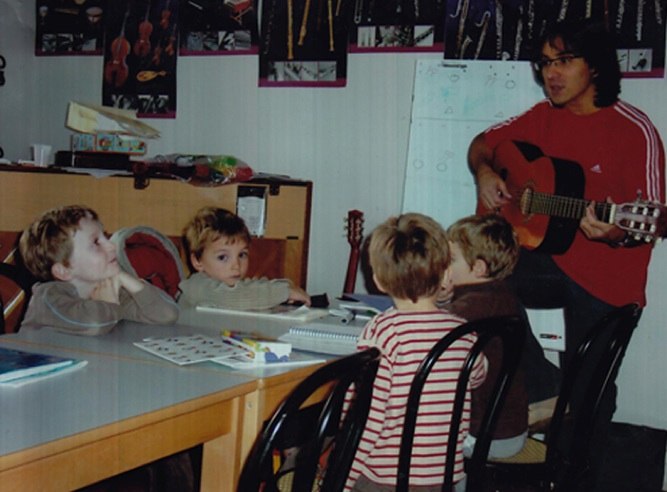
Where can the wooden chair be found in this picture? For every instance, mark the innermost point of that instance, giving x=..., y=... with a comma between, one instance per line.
x=511, y=331
x=332, y=438
x=562, y=461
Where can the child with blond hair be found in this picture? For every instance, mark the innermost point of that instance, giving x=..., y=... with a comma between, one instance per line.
x=484, y=251
x=409, y=256
x=217, y=244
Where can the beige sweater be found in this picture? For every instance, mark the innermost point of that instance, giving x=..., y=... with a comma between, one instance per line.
x=57, y=304
x=246, y=294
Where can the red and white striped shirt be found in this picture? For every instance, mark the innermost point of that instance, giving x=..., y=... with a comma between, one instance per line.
x=404, y=338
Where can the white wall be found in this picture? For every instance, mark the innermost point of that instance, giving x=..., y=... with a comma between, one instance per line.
x=351, y=142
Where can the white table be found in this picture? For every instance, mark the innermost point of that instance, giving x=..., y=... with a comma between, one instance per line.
x=128, y=407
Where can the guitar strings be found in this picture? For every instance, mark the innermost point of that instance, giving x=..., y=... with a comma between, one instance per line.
x=530, y=201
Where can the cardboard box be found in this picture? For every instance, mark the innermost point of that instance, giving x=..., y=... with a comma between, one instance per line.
x=108, y=142
x=92, y=119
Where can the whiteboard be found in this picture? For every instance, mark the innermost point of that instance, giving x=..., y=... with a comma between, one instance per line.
x=453, y=102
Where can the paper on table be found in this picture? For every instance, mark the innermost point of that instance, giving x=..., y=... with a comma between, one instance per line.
x=189, y=349
x=295, y=359
x=282, y=311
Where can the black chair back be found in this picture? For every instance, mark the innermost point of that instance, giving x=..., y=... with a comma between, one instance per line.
x=571, y=432
x=511, y=331
x=338, y=428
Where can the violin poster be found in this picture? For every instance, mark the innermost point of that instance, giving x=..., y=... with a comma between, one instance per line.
x=140, y=57
x=304, y=43
x=509, y=30
x=218, y=27
x=397, y=26
x=69, y=27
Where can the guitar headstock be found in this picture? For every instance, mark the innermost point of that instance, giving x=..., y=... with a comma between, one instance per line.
x=355, y=228
x=644, y=221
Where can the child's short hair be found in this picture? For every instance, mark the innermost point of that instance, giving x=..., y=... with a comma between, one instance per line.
x=409, y=255
x=489, y=238
x=210, y=224
x=48, y=240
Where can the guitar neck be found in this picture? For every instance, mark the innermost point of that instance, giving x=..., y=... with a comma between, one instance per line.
x=565, y=207
x=351, y=275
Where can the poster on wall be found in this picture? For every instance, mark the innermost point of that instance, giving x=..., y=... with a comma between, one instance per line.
x=218, y=27
x=397, y=26
x=140, y=57
x=304, y=43
x=510, y=29
x=69, y=27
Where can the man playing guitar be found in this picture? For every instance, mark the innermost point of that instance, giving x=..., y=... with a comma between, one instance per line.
x=619, y=153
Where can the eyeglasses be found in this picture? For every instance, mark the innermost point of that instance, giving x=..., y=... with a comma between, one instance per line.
x=562, y=61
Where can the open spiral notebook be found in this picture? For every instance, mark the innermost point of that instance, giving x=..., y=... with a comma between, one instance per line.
x=333, y=338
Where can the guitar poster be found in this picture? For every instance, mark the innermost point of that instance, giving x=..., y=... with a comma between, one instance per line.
x=218, y=27
x=140, y=57
x=304, y=43
x=509, y=29
x=69, y=27
x=397, y=26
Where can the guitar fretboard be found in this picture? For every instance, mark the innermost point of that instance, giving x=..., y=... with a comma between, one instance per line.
x=533, y=202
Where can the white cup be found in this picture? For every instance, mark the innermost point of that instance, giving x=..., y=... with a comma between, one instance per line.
x=41, y=154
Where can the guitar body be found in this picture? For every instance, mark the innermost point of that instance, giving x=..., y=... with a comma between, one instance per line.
x=526, y=170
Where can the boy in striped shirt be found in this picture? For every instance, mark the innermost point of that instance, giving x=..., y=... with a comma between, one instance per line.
x=410, y=257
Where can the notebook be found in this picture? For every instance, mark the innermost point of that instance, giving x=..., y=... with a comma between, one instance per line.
x=18, y=367
x=373, y=302
x=325, y=338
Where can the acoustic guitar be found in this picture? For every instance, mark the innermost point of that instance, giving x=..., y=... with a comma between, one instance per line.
x=547, y=201
x=355, y=232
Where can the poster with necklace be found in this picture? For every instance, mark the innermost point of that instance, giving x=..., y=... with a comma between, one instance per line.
x=140, y=57
x=219, y=27
x=304, y=43
x=509, y=29
x=397, y=26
